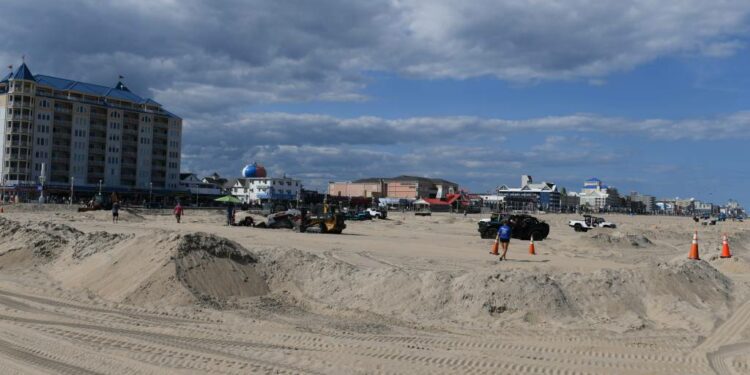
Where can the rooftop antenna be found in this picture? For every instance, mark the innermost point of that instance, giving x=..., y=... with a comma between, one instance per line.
x=23, y=59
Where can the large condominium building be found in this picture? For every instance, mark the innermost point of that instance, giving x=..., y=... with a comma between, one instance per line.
x=85, y=134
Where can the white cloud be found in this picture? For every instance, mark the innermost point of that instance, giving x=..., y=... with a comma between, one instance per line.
x=321, y=147
x=203, y=55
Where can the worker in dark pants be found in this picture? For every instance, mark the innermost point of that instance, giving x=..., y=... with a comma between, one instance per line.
x=230, y=215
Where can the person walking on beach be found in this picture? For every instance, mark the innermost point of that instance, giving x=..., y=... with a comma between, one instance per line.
x=230, y=214
x=178, y=212
x=503, y=234
x=115, y=212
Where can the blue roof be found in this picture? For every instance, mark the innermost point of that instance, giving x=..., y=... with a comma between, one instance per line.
x=7, y=77
x=23, y=72
x=121, y=86
x=119, y=92
x=593, y=179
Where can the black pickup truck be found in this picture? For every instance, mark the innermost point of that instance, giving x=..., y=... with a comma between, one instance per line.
x=523, y=227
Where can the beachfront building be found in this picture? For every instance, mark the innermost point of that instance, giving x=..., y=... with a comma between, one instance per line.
x=260, y=190
x=367, y=188
x=569, y=201
x=666, y=206
x=702, y=208
x=401, y=187
x=733, y=209
x=256, y=188
x=531, y=196
x=83, y=134
x=597, y=196
x=648, y=202
x=191, y=183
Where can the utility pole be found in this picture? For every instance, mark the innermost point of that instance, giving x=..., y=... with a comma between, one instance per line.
x=72, y=182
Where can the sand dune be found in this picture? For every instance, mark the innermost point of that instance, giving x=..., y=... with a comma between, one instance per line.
x=79, y=294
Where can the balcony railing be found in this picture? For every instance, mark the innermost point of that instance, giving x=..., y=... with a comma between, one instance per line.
x=17, y=170
x=16, y=117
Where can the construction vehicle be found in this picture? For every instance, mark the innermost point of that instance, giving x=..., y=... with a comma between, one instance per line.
x=281, y=220
x=331, y=221
x=590, y=222
x=523, y=227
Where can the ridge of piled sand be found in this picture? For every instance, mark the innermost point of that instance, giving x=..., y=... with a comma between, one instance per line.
x=161, y=267
x=406, y=295
x=677, y=294
x=197, y=268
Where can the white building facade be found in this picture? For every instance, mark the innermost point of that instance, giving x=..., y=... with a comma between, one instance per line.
x=85, y=134
x=596, y=195
x=531, y=196
x=264, y=189
x=191, y=182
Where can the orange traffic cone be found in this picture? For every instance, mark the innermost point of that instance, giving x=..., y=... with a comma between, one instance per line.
x=496, y=245
x=725, y=253
x=532, y=251
x=694, y=248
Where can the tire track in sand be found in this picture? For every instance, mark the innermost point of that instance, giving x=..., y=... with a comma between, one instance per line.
x=30, y=357
x=199, y=345
x=727, y=331
x=718, y=347
x=721, y=360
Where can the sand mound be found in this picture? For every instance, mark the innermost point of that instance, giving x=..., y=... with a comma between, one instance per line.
x=679, y=294
x=619, y=239
x=25, y=244
x=161, y=268
x=214, y=268
x=44, y=241
x=96, y=242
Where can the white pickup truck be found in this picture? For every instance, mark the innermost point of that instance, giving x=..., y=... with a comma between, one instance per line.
x=590, y=222
x=374, y=213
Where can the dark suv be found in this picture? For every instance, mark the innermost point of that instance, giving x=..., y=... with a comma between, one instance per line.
x=523, y=227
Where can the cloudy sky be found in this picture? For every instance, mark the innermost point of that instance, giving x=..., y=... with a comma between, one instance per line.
x=647, y=95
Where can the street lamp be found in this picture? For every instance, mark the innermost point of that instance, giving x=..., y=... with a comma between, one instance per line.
x=72, y=181
x=41, y=181
x=100, y=187
x=150, y=191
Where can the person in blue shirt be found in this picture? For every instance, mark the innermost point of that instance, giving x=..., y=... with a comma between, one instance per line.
x=503, y=233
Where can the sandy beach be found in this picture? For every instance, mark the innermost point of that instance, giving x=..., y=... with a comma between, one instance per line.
x=406, y=295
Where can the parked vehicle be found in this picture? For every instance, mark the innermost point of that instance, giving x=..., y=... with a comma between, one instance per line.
x=590, y=222
x=357, y=216
x=523, y=226
x=376, y=213
x=423, y=211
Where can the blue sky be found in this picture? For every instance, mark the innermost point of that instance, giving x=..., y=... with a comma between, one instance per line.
x=646, y=95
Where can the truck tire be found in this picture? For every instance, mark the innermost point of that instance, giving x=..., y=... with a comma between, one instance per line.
x=578, y=228
x=537, y=235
